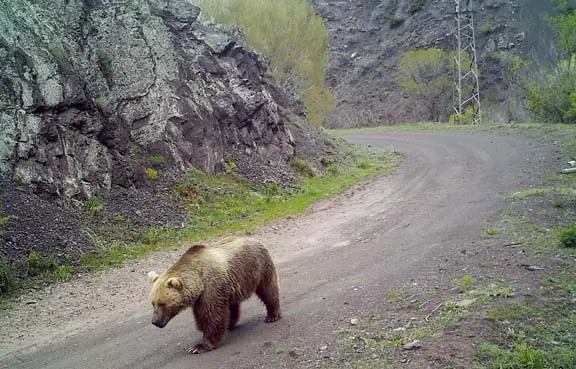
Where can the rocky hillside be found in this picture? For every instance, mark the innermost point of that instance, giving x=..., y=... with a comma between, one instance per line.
x=365, y=44
x=117, y=99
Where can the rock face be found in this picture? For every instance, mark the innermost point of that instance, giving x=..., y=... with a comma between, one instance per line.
x=368, y=36
x=95, y=92
x=116, y=100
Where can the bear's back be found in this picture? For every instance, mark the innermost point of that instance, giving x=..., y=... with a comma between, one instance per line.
x=241, y=263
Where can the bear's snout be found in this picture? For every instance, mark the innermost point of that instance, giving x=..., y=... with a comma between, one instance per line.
x=159, y=323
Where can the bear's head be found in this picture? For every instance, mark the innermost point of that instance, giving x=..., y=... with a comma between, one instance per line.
x=167, y=297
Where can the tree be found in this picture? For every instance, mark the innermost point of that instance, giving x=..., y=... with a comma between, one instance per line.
x=564, y=24
x=552, y=96
x=427, y=76
x=292, y=35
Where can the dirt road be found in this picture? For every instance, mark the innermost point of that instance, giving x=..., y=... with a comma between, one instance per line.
x=335, y=262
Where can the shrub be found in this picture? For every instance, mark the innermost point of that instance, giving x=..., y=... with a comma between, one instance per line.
x=464, y=283
x=62, y=273
x=272, y=189
x=395, y=21
x=230, y=164
x=466, y=117
x=8, y=276
x=292, y=35
x=152, y=173
x=320, y=101
x=363, y=164
x=100, y=102
x=333, y=170
x=57, y=51
x=568, y=237
x=302, y=167
x=3, y=221
x=486, y=28
x=157, y=160
x=426, y=75
x=416, y=6
x=94, y=206
x=39, y=265
x=105, y=64
x=559, y=203
x=153, y=236
x=551, y=97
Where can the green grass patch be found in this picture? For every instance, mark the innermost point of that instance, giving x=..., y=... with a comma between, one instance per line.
x=416, y=6
x=464, y=283
x=303, y=167
x=486, y=28
x=8, y=277
x=567, y=236
x=157, y=159
x=94, y=206
x=544, y=191
x=3, y=221
x=30, y=271
x=540, y=332
x=532, y=336
x=490, y=231
x=225, y=203
x=152, y=173
x=395, y=21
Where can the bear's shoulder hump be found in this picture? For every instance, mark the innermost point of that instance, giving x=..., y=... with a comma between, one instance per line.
x=195, y=249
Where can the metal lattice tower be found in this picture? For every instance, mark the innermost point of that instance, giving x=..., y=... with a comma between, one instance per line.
x=466, y=87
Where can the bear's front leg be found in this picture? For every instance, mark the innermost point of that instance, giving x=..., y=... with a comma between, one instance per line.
x=213, y=322
x=200, y=348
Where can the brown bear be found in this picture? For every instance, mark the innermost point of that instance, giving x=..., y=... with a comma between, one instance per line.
x=213, y=280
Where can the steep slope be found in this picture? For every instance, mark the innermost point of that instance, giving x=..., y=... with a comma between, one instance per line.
x=118, y=99
x=365, y=45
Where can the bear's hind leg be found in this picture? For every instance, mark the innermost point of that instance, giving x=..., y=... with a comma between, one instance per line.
x=234, y=315
x=268, y=292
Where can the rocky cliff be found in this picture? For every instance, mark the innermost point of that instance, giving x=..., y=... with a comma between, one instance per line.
x=368, y=36
x=117, y=98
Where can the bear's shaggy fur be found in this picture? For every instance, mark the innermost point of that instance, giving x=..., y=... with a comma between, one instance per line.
x=213, y=280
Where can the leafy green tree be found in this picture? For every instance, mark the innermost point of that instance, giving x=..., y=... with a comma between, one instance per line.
x=292, y=35
x=564, y=24
x=552, y=97
x=427, y=76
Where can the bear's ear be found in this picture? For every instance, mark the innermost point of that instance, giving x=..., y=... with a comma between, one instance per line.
x=153, y=276
x=174, y=282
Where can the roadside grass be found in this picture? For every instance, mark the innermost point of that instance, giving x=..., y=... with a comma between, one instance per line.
x=536, y=333
x=421, y=317
x=557, y=133
x=31, y=271
x=225, y=203
x=419, y=126
x=540, y=332
x=534, y=330
x=544, y=191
